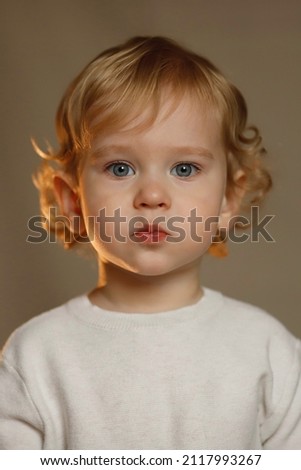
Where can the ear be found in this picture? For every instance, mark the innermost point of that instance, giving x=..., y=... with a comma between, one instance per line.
x=232, y=200
x=69, y=203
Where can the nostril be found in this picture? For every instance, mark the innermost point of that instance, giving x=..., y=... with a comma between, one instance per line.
x=151, y=197
x=145, y=204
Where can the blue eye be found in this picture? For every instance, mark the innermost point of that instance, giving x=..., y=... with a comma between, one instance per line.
x=120, y=169
x=184, y=170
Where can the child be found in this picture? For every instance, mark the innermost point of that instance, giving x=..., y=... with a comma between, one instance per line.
x=155, y=160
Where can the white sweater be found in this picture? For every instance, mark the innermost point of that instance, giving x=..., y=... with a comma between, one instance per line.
x=220, y=374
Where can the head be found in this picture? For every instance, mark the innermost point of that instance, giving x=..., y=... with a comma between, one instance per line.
x=130, y=87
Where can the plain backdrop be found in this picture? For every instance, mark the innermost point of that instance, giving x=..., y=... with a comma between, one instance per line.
x=257, y=44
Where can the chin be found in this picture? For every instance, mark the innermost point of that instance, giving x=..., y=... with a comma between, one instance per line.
x=151, y=271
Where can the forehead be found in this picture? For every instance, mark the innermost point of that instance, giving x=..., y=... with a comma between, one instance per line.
x=171, y=118
x=187, y=128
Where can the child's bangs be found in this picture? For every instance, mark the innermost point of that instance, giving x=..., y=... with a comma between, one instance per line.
x=135, y=103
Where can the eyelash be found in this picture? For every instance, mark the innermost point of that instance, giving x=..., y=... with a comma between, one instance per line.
x=197, y=168
x=117, y=162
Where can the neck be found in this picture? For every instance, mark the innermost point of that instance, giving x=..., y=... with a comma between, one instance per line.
x=130, y=292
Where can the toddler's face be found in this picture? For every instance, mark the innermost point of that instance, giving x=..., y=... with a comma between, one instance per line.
x=142, y=191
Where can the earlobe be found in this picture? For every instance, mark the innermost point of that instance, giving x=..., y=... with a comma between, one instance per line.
x=68, y=202
x=225, y=214
x=232, y=200
x=65, y=195
x=230, y=207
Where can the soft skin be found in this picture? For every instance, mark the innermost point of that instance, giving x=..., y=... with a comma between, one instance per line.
x=149, y=183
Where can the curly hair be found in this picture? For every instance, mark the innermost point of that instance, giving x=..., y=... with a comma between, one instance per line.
x=118, y=85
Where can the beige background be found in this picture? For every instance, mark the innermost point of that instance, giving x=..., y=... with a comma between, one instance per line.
x=45, y=43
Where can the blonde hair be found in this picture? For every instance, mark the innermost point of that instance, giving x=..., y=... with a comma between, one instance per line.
x=121, y=82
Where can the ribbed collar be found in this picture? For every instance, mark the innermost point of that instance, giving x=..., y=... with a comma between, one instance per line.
x=85, y=311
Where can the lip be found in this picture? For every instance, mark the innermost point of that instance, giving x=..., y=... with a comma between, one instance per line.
x=149, y=233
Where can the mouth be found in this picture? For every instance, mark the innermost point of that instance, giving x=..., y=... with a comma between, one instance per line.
x=149, y=233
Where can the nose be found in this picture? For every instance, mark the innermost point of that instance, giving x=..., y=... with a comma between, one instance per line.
x=152, y=194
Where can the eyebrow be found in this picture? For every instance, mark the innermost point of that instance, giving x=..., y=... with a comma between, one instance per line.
x=190, y=150
x=178, y=150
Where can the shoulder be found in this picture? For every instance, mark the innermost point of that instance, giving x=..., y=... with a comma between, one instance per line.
x=244, y=322
x=250, y=315
x=41, y=332
x=255, y=338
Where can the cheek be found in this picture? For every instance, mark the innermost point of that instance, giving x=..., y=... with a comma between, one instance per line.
x=96, y=198
x=105, y=218
x=206, y=204
x=212, y=195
